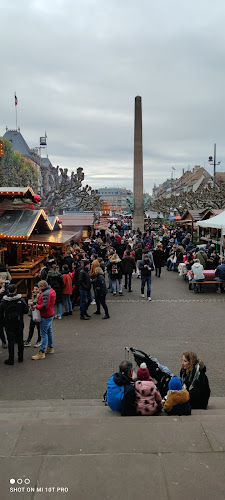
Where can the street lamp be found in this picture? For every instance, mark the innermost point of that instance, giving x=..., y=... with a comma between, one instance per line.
x=212, y=161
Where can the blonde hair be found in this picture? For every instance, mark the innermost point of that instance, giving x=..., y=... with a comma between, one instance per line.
x=98, y=270
x=192, y=358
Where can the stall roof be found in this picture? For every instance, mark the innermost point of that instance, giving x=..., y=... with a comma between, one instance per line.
x=54, y=222
x=16, y=190
x=20, y=223
x=55, y=238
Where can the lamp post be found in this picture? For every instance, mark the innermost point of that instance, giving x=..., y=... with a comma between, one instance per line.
x=212, y=161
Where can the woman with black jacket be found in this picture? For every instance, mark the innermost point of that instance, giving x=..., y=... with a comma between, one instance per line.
x=193, y=376
x=100, y=292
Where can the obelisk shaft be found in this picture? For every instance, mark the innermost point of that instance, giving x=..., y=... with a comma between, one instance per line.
x=138, y=214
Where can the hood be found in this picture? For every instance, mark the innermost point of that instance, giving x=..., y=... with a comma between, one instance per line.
x=56, y=274
x=121, y=379
x=202, y=367
x=197, y=264
x=114, y=259
x=10, y=298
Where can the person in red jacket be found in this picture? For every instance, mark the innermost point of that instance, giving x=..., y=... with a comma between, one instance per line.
x=67, y=290
x=45, y=305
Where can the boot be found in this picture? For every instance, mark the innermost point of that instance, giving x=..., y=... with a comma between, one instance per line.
x=39, y=355
x=106, y=316
x=8, y=362
x=49, y=350
x=97, y=312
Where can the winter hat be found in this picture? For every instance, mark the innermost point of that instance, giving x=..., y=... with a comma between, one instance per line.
x=175, y=384
x=86, y=262
x=143, y=373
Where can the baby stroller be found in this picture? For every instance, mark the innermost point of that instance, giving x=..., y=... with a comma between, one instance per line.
x=160, y=373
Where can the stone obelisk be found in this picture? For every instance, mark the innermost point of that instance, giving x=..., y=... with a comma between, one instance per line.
x=138, y=214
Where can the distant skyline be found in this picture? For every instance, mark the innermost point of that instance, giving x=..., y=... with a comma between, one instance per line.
x=76, y=67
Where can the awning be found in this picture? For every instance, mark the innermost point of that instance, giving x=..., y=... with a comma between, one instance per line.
x=55, y=238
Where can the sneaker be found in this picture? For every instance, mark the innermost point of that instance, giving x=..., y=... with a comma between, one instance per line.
x=218, y=291
x=39, y=355
x=130, y=290
x=114, y=293
x=143, y=295
x=56, y=316
x=59, y=317
x=26, y=344
x=149, y=298
x=37, y=344
x=93, y=302
x=49, y=350
x=84, y=317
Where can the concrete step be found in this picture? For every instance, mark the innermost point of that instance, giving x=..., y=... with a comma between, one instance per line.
x=68, y=410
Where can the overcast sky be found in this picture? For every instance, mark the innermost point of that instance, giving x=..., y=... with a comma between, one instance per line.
x=77, y=65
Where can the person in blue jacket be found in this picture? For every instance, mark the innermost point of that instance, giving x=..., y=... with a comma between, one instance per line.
x=120, y=390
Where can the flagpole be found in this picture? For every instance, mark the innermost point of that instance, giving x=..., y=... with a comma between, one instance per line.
x=16, y=109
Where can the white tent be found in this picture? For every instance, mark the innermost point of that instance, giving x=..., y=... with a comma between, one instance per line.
x=217, y=222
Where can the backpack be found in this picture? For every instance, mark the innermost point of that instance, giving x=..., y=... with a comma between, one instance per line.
x=114, y=269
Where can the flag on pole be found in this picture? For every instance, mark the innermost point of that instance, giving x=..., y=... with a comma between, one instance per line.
x=16, y=100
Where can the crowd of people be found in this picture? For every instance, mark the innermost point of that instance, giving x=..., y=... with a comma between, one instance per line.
x=84, y=273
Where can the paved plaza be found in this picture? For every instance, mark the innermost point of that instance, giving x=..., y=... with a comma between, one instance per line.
x=88, y=352
x=58, y=440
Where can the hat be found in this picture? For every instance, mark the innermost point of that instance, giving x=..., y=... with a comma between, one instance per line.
x=175, y=384
x=86, y=262
x=143, y=373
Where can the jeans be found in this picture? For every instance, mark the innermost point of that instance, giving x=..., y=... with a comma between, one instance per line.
x=129, y=276
x=31, y=330
x=67, y=302
x=2, y=334
x=85, y=300
x=59, y=309
x=46, y=333
x=158, y=270
x=148, y=280
x=114, y=285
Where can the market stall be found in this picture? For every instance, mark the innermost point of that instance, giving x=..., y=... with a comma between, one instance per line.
x=217, y=222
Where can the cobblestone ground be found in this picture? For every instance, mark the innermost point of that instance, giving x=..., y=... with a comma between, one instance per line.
x=88, y=352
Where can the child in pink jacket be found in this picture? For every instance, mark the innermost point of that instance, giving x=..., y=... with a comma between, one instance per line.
x=148, y=398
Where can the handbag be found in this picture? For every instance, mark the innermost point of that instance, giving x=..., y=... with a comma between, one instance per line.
x=36, y=315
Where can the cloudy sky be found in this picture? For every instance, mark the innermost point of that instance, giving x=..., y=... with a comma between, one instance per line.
x=77, y=65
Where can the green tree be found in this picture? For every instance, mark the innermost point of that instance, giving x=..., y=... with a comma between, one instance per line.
x=15, y=170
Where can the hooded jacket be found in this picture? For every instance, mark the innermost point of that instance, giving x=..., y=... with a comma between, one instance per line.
x=55, y=280
x=120, y=394
x=147, y=397
x=178, y=403
x=202, y=256
x=99, y=285
x=115, y=268
x=46, y=302
x=13, y=307
x=84, y=280
x=197, y=269
x=197, y=384
x=67, y=283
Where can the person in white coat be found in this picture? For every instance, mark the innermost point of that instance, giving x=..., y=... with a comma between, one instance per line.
x=199, y=277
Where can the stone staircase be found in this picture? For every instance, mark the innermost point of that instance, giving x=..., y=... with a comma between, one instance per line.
x=83, y=446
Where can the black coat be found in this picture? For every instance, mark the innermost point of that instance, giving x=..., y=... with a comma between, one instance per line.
x=200, y=393
x=12, y=309
x=84, y=280
x=158, y=257
x=128, y=264
x=99, y=285
x=55, y=280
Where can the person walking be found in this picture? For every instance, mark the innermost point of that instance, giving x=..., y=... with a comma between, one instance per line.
x=158, y=259
x=55, y=280
x=116, y=272
x=128, y=263
x=146, y=267
x=67, y=290
x=84, y=282
x=45, y=305
x=13, y=307
x=32, y=303
x=100, y=289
